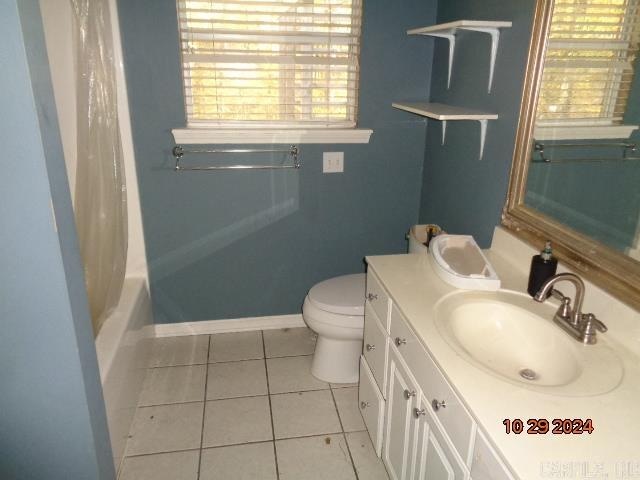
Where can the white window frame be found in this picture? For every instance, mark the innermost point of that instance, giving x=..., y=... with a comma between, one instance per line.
x=204, y=132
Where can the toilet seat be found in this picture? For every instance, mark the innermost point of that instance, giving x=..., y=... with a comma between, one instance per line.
x=313, y=314
x=342, y=295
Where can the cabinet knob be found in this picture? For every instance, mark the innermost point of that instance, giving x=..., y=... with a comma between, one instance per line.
x=400, y=341
x=364, y=405
x=372, y=296
x=408, y=394
x=437, y=404
x=419, y=412
x=370, y=347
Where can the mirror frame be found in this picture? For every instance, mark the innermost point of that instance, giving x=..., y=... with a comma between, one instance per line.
x=611, y=270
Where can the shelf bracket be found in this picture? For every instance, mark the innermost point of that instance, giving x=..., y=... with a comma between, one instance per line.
x=483, y=135
x=452, y=48
x=495, y=39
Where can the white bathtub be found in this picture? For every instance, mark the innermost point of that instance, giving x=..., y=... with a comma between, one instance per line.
x=123, y=346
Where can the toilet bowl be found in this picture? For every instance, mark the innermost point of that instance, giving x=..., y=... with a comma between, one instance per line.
x=334, y=309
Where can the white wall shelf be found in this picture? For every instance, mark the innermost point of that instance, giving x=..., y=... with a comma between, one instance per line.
x=444, y=113
x=449, y=31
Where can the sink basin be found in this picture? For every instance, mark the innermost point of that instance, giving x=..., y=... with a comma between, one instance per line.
x=514, y=338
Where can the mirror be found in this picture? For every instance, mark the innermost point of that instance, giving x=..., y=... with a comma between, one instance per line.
x=575, y=177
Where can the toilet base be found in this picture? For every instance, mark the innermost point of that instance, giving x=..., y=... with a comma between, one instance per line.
x=336, y=361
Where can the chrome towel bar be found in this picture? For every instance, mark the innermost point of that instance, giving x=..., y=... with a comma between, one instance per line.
x=627, y=148
x=179, y=152
x=585, y=160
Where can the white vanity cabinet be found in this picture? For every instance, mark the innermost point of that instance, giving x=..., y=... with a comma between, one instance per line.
x=417, y=423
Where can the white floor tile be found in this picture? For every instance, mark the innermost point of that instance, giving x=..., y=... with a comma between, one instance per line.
x=289, y=342
x=367, y=464
x=347, y=403
x=230, y=347
x=236, y=379
x=161, y=466
x=315, y=458
x=239, y=462
x=304, y=413
x=166, y=428
x=173, y=385
x=292, y=374
x=237, y=420
x=186, y=350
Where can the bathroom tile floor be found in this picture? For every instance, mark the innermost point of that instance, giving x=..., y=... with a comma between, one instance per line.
x=244, y=406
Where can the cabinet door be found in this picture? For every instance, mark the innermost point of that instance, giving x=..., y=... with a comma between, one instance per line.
x=375, y=347
x=399, y=444
x=436, y=458
x=371, y=405
x=431, y=463
x=486, y=463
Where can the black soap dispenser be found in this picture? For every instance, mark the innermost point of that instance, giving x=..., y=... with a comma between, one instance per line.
x=543, y=267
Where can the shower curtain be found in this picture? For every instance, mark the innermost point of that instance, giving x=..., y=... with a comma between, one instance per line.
x=100, y=196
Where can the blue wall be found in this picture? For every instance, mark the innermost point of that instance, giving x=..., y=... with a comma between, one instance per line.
x=461, y=193
x=52, y=418
x=238, y=244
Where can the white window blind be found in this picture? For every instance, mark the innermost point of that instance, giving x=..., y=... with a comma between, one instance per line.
x=270, y=63
x=588, y=70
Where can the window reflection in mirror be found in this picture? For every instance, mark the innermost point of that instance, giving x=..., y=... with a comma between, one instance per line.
x=585, y=162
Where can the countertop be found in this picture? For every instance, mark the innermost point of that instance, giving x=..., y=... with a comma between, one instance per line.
x=611, y=451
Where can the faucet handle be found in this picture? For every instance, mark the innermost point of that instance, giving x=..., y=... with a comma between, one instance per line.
x=591, y=322
x=564, y=310
x=589, y=325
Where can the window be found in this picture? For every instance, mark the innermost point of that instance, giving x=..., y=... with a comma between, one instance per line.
x=588, y=70
x=270, y=63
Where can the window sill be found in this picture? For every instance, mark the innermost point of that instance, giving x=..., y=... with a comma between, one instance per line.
x=264, y=135
x=584, y=132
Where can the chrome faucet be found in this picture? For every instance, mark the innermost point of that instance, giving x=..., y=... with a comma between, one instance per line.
x=580, y=326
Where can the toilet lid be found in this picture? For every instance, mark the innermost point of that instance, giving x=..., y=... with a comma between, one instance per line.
x=343, y=295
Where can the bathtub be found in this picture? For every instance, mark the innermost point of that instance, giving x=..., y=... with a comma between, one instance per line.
x=123, y=345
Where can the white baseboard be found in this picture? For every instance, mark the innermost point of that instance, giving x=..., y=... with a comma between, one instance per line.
x=207, y=327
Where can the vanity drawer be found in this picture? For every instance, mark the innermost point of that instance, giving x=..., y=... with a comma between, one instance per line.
x=486, y=464
x=371, y=405
x=375, y=348
x=455, y=418
x=378, y=298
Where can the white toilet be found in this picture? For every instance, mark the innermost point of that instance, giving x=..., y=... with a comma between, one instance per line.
x=334, y=309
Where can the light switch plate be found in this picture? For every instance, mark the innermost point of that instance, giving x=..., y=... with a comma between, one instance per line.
x=332, y=162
